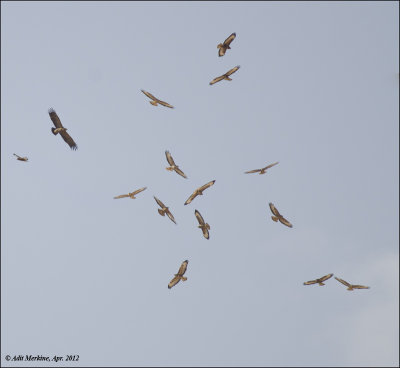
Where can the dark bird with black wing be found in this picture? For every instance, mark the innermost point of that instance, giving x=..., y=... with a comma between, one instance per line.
x=59, y=129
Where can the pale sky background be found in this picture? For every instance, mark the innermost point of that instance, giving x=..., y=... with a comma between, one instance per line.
x=85, y=274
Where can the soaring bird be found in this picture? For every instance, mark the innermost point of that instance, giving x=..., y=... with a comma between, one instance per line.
x=202, y=225
x=278, y=216
x=19, y=158
x=164, y=210
x=131, y=195
x=351, y=287
x=60, y=129
x=179, y=276
x=156, y=100
x=199, y=191
x=224, y=46
x=173, y=166
x=319, y=281
x=225, y=76
x=263, y=170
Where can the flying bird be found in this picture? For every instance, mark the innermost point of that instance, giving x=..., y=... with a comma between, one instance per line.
x=131, y=195
x=319, y=281
x=202, y=225
x=351, y=287
x=225, y=76
x=224, y=46
x=278, y=216
x=263, y=170
x=199, y=191
x=156, y=100
x=179, y=276
x=60, y=129
x=164, y=210
x=173, y=166
x=19, y=158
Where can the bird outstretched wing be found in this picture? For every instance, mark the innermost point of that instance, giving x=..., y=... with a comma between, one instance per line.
x=122, y=196
x=162, y=205
x=68, y=139
x=217, y=79
x=274, y=210
x=180, y=172
x=171, y=217
x=343, y=282
x=285, y=222
x=173, y=282
x=326, y=277
x=199, y=217
x=359, y=287
x=182, y=268
x=139, y=190
x=252, y=171
x=169, y=158
x=233, y=70
x=269, y=166
x=205, y=186
x=191, y=197
x=55, y=119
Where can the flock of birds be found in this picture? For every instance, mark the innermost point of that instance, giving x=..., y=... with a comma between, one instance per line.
x=164, y=210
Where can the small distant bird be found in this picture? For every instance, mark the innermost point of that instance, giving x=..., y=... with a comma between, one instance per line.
x=131, y=195
x=225, y=76
x=278, y=216
x=173, y=165
x=351, y=287
x=319, y=281
x=263, y=170
x=156, y=100
x=19, y=158
x=164, y=210
x=179, y=276
x=60, y=129
x=202, y=225
x=199, y=191
x=224, y=46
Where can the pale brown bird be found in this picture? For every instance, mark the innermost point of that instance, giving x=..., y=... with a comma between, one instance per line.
x=19, y=158
x=173, y=165
x=60, y=129
x=164, y=210
x=156, y=100
x=278, y=216
x=319, y=281
x=131, y=195
x=224, y=46
x=199, y=191
x=225, y=76
x=263, y=170
x=351, y=287
x=179, y=276
x=202, y=225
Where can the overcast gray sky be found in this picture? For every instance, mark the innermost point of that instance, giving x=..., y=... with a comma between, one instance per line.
x=85, y=274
